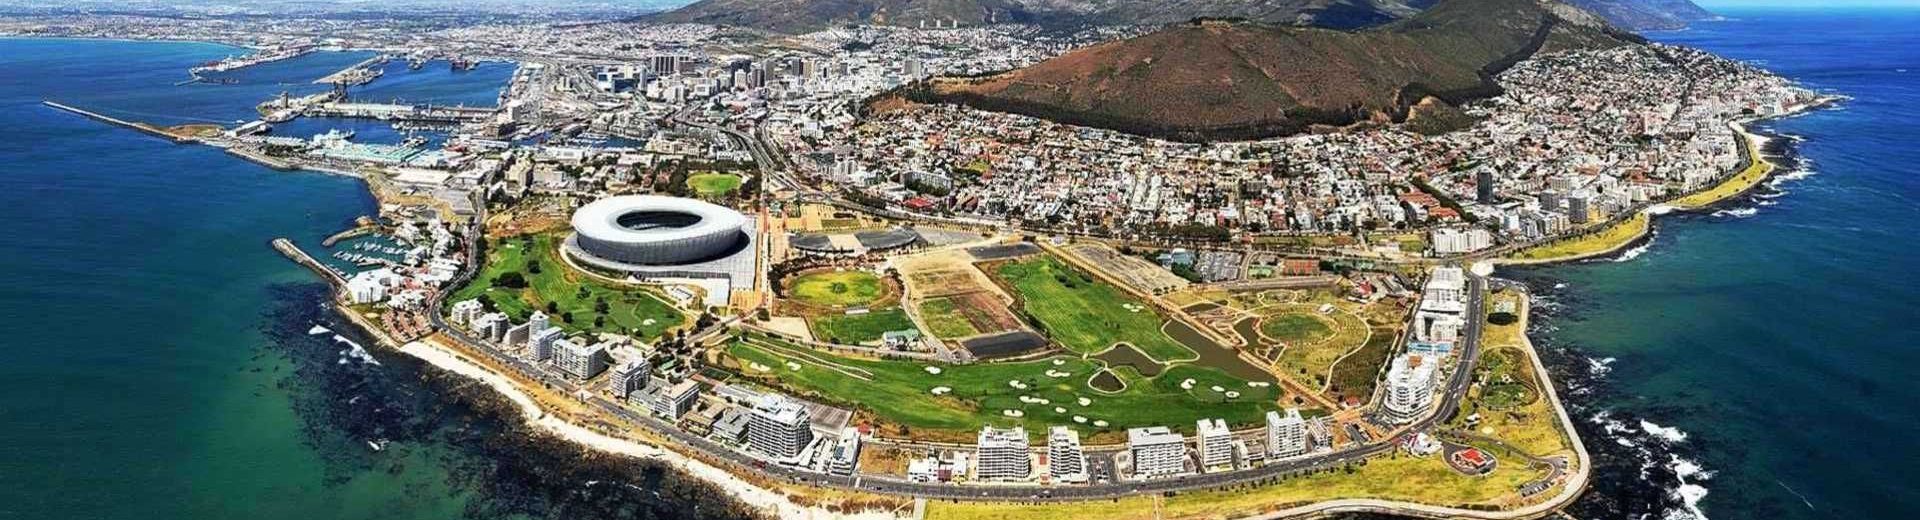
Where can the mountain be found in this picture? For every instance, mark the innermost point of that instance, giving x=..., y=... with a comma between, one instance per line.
x=1212, y=80
x=1647, y=15
x=795, y=16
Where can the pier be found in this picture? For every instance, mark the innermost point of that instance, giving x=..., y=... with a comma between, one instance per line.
x=411, y=113
x=293, y=252
x=143, y=127
x=357, y=74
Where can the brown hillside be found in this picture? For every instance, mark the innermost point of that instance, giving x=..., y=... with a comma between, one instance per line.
x=1220, y=80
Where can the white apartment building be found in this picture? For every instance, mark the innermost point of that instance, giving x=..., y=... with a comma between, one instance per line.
x=671, y=402
x=580, y=361
x=1286, y=435
x=1157, y=451
x=1001, y=454
x=1215, y=442
x=629, y=377
x=779, y=427
x=1409, y=388
x=1065, y=461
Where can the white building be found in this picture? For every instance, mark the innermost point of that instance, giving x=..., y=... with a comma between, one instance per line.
x=629, y=377
x=844, y=456
x=580, y=361
x=779, y=427
x=1157, y=451
x=671, y=402
x=1450, y=241
x=1286, y=435
x=1409, y=388
x=464, y=311
x=540, y=343
x=1215, y=442
x=1001, y=454
x=1065, y=461
x=492, y=325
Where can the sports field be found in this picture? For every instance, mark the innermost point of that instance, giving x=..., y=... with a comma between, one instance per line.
x=859, y=328
x=946, y=319
x=851, y=288
x=551, y=286
x=1085, y=314
x=1313, y=340
x=954, y=402
x=710, y=185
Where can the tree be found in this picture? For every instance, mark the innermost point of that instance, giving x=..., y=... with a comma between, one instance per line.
x=533, y=267
x=513, y=280
x=553, y=307
x=567, y=316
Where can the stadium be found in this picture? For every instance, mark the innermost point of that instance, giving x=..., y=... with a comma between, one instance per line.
x=650, y=230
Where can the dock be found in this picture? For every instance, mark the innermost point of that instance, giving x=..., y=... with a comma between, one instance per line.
x=286, y=247
x=143, y=127
x=353, y=74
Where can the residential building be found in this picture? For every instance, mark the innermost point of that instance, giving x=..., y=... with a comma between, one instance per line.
x=629, y=377
x=779, y=427
x=1286, y=435
x=1065, y=461
x=672, y=401
x=540, y=343
x=1409, y=388
x=1001, y=454
x=844, y=456
x=1215, y=442
x=1157, y=451
x=580, y=361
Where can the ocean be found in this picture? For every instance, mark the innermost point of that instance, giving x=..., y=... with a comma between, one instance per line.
x=1752, y=361
x=160, y=359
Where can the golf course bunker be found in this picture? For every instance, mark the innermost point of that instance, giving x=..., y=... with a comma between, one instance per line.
x=1215, y=355
x=1105, y=381
x=1125, y=355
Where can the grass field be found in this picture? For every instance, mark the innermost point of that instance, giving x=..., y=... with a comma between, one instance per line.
x=710, y=185
x=901, y=392
x=837, y=288
x=1355, y=374
x=1612, y=237
x=859, y=328
x=1314, y=341
x=1404, y=478
x=1084, y=314
x=635, y=311
x=946, y=320
x=1530, y=425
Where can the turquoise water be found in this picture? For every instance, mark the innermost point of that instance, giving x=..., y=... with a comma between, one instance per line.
x=157, y=363
x=1768, y=346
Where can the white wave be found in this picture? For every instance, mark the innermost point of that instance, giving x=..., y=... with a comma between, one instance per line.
x=1659, y=209
x=1561, y=285
x=1737, y=212
x=1689, y=492
x=1776, y=193
x=1793, y=175
x=1600, y=367
x=318, y=330
x=1765, y=203
x=1665, y=433
x=1635, y=252
x=354, y=351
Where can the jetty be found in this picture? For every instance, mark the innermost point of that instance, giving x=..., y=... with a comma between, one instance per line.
x=286, y=247
x=143, y=127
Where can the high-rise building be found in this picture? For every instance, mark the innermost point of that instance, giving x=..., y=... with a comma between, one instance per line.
x=671, y=402
x=580, y=361
x=1577, y=210
x=1001, y=454
x=1483, y=185
x=629, y=377
x=1157, y=451
x=540, y=344
x=538, y=321
x=1215, y=443
x=1286, y=435
x=1065, y=461
x=1409, y=388
x=779, y=427
x=844, y=456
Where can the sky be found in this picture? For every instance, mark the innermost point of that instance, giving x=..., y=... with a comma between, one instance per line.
x=1712, y=4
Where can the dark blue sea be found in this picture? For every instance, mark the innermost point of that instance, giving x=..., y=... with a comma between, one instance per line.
x=1756, y=361
x=158, y=361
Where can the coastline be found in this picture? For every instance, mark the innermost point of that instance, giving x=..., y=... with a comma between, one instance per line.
x=1755, y=170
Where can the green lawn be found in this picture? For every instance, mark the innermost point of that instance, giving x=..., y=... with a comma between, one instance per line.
x=837, y=288
x=946, y=320
x=1087, y=315
x=859, y=328
x=1296, y=327
x=640, y=312
x=709, y=185
x=901, y=391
